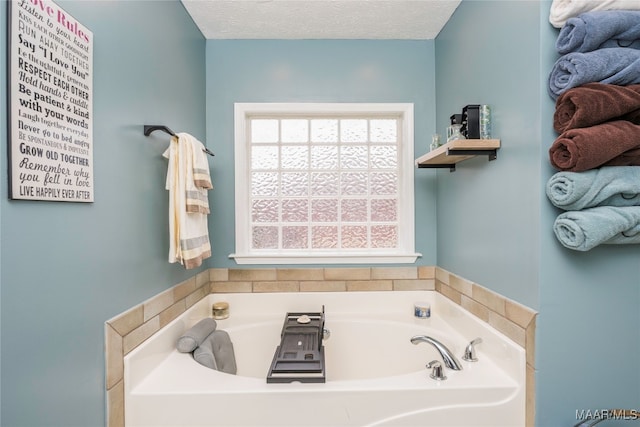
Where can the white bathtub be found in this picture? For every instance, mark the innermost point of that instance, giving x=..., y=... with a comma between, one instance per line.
x=375, y=376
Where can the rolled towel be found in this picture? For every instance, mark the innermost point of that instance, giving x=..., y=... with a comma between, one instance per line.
x=609, y=185
x=615, y=143
x=600, y=29
x=195, y=335
x=562, y=10
x=586, y=229
x=615, y=65
x=216, y=352
x=595, y=103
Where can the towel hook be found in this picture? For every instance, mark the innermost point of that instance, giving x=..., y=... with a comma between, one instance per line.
x=148, y=129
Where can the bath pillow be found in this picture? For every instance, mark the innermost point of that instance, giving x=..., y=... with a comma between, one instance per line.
x=216, y=352
x=194, y=336
x=223, y=352
x=204, y=354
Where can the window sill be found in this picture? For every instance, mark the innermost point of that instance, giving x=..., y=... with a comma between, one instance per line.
x=337, y=258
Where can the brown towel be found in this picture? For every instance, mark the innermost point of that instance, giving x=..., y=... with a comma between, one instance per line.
x=615, y=143
x=595, y=103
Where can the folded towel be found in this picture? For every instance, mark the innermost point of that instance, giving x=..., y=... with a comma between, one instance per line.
x=615, y=65
x=200, y=162
x=562, y=10
x=615, y=143
x=195, y=335
x=607, y=186
x=583, y=230
x=196, y=168
x=188, y=228
x=216, y=352
x=595, y=103
x=600, y=29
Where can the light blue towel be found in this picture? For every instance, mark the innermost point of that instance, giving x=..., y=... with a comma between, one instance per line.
x=616, y=65
x=588, y=228
x=600, y=29
x=607, y=186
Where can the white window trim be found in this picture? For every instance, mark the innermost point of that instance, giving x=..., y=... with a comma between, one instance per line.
x=404, y=254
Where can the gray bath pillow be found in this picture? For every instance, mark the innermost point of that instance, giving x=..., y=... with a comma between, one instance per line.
x=216, y=352
x=194, y=336
x=204, y=354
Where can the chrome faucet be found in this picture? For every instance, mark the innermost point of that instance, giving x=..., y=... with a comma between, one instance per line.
x=470, y=351
x=449, y=359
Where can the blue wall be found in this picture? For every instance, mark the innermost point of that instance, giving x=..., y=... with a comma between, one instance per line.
x=500, y=53
x=488, y=212
x=589, y=305
x=316, y=71
x=67, y=268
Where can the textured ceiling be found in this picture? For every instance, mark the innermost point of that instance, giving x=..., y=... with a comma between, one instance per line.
x=320, y=19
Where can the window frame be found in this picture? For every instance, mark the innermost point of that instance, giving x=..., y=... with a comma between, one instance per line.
x=405, y=251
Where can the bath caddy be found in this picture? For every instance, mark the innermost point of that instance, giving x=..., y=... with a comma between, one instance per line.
x=300, y=355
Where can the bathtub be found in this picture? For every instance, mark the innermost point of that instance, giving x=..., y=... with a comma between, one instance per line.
x=374, y=375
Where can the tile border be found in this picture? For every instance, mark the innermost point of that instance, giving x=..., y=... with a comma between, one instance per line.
x=516, y=321
x=129, y=329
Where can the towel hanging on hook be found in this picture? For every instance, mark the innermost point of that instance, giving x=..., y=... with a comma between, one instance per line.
x=150, y=128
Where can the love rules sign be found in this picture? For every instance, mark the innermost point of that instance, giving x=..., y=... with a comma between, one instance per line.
x=51, y=99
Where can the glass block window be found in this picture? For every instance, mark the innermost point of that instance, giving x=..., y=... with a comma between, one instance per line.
x=324, y=184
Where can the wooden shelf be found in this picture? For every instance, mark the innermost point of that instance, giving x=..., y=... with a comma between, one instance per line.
x=447, y=155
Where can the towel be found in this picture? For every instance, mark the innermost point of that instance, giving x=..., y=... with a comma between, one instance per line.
x=595, y=103
x=216, y=352
x=615, y=143
x=600, y=29
x=188, y=204
x=615, y=65
x=198, y=179
x=562, y=10
x=195, y=335
x=607, y=186
x=585, y=229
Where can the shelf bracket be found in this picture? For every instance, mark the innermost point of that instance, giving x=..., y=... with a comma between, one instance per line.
x=491, y=154
x=452, y=166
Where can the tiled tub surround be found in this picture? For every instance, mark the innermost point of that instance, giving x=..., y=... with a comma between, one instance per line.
x=126, y=331
x=374, y=375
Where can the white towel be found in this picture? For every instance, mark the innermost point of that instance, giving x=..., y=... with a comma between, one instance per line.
x=198, y=179
x=562, y=10
x=188, y=181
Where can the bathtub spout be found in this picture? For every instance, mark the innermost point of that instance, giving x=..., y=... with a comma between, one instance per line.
x=449, y=359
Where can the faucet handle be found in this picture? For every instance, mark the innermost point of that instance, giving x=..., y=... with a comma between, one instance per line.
x=437, y=373
x=470, y=351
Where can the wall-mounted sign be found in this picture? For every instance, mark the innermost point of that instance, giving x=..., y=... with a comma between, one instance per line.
x=51, y=104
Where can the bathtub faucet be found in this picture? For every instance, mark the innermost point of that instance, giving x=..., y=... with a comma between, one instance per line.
x=449, y=359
